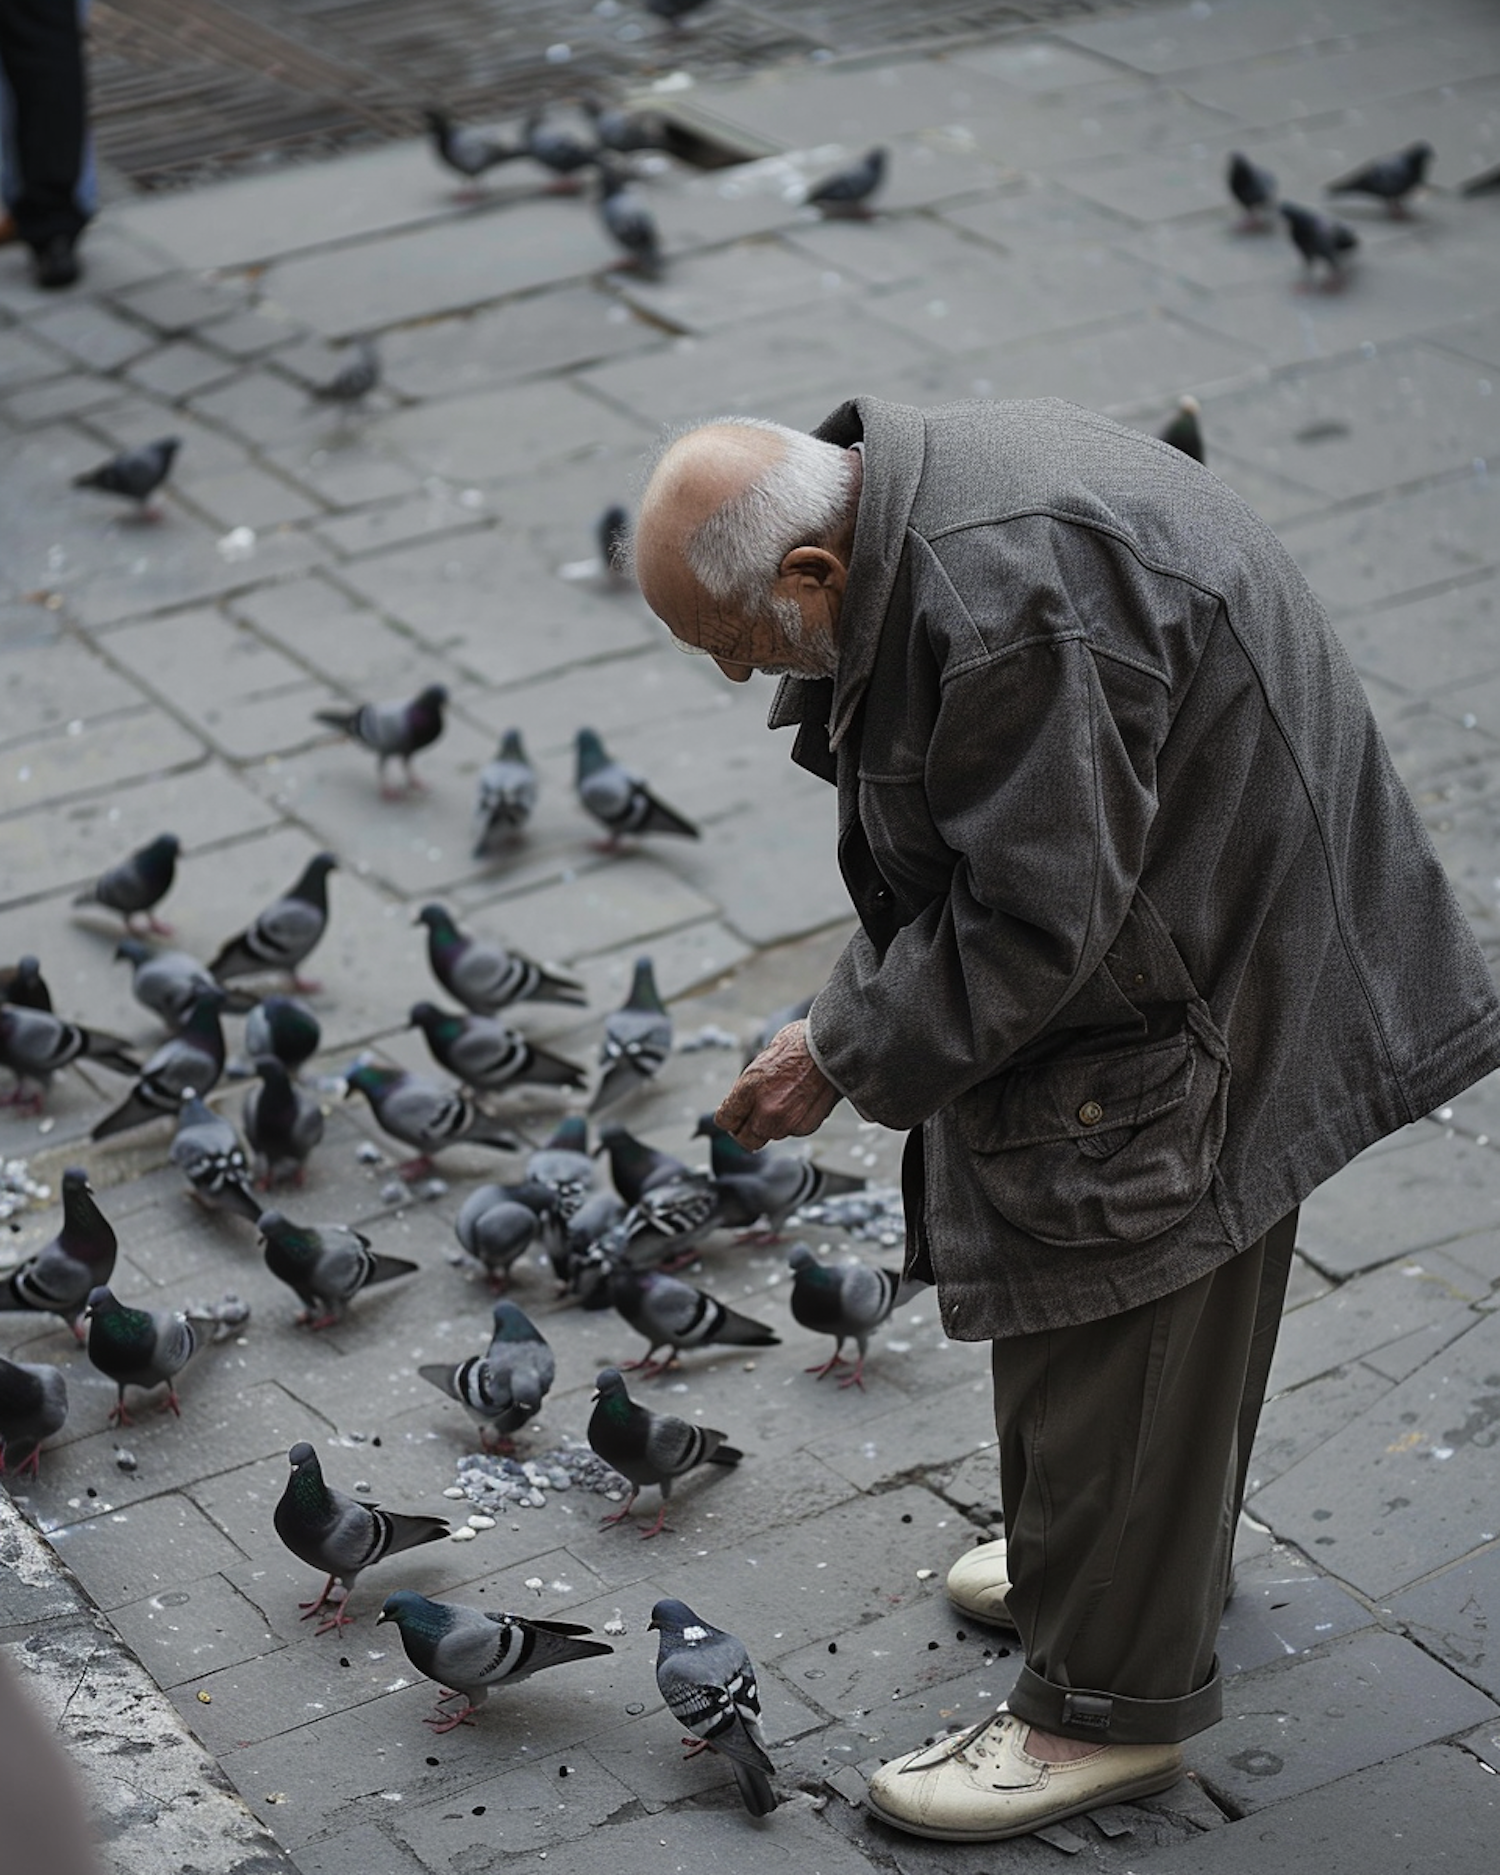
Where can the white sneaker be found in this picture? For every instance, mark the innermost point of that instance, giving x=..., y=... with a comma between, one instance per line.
x=984, y=1785
x=978, y=1583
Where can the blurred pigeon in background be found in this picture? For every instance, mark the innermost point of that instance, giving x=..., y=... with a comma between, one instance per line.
x=1253, y=188
x=496, y=1228
x=637, y=1039
x=507, y=792
x=33, y=1405
x=327, y=1265
x=674, y=12
x=557, y=150
x=285, y=1027
x=138, y=884
x=622, y=130
x=706, y=1678
x=1184, y=431
x=23, y=984
x=469, y=153
x=355, y=379
x=618, y=798
x=485, y=976
x=629, y=222
x=1319, y=237
x=282, y=1121
x=283, y=935
x=847, y=191
x=134, y=473
x=393, y=729
x=191, y=1061
x=167, y=983
x=58, y=1278
x=1390, y=179
x=649, y=1448
x=34, y=1044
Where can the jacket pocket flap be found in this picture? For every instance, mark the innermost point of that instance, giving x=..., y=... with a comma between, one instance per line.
x=1092, y=1097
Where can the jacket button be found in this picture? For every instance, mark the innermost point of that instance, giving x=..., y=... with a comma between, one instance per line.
x=1090, y=1113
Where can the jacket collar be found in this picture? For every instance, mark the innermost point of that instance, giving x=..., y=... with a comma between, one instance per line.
x=893, y=436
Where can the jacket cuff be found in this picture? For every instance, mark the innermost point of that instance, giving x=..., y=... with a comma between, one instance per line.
x=817, y=1054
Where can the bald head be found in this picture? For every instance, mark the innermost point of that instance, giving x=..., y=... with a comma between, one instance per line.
x=743, y=543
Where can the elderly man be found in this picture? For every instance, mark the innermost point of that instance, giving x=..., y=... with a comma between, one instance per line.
x=1151, y=943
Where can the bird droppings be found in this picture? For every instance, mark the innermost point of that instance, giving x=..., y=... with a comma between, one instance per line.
x=833, y=1647
x=434, y=1761
x=478, y=1810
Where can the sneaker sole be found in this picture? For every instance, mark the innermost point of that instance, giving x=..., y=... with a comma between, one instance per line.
x=1119, y=1793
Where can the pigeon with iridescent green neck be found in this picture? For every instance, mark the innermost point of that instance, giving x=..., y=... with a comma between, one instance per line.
x=505, y=1386
x=138, y=1348
x=473, y=1649
x=33, y=1405
x=507, y=793
x=285, y=1027
x=846, y=1300
x=326, y=1264
x=426, y=1114
x=618, y=798
x=649, y=1448
x=58, y=1278
x=489, y=1056
x=637, y=1040
x=635, y=1166
x=780, y=1182
x=340, y=1535
x=485, y=976
x=191, y=1060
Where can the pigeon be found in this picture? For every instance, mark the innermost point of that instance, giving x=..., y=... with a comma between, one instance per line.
x=285, y=1027
x=507, y=793
x=668, y=1222
x=487, y=1055
x=58, y=1279
x=846, y=1300
x=393, y=729
x=354, y=381
x=1252, y=187
x=192, y=1060
x=558, y=150
x=780, y=1183
x=282, y=935
x=138, y=1348
x=505, y=1386
x=775, y=1023
x=426, y=1114
x=708, y=1682
x=624, y=131
x=584, y=1230
x=613, y=535
x=134, y=473
x=637, y=1040
x=634, y=1166
x=473, y=1649
x=138, y=884
x=467, y=152
x=674, y=1315
x=282, y=1122
x=1319, y=237
x=848, y=190
x=208, y=1153
x=649, y=1448
x=620, y=800
x=329, y=1531
x=33, y=1405
x=34, y=1044
x=564, y=1165
x=487, y=977
x=167, y=983
x=496, y=1228
x=673, y=11
x=1390, y=179
x=326, y=1264
x=23, y=985
x=629, y=222
x=1184, y=431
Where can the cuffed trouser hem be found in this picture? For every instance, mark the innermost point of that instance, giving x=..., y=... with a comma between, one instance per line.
x=1112, y=1719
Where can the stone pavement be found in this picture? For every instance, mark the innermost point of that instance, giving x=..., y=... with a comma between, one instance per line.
x=1055, y=223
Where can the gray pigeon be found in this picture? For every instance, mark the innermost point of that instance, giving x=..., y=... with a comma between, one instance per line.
x=1183, y=430
x=507, y=792
x=673, y=11
x=1252, y=187
x=636, y=1166
x=564, y=1165
x=426, y=1114
x=1390, y=179
x=35, y=1044
x=58, y=1279
x=33, y=1405
x=282, y=1121
x=667, y=1223
x=467, y=152
x=637, y=1040
x=1319, y=238
x=489, y=1056
x=353, y=381
x=674, y=1315
x=629, y=222
x=397, y=729
x=138, y=1348
x=165, y=982
x=558, y=150
x=779, y=1183
x=138, y=883
x=326, y=1264
x=190, y=1061
x=625, y=131
x=282, y=935
x=486, y=977
x=846, y=1300
x=649, y=1448
x=342, y=1535
x=505, y=1386
x=23, y=984
x=473, y=1649
x=618, y=798
x=285, y=1027
x=848, y=190
x=134, y=473
x=208, y=1153
x=496, y=1228
x=708, y=1682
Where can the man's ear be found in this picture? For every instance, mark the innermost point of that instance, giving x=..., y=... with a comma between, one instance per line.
x=814, y=563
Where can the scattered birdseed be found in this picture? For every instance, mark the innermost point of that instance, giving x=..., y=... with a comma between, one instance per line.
x=493, y=1480
x=18, y=1188
x=874, y=1215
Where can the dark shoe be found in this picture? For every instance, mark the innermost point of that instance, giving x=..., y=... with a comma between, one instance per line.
x=54, y=263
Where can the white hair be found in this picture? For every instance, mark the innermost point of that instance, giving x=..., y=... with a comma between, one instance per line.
x=801, y=498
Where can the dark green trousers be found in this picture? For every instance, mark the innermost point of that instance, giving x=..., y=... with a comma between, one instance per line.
x=1124, y=1449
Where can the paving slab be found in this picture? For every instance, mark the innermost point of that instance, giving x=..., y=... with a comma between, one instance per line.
x=1452, y=1613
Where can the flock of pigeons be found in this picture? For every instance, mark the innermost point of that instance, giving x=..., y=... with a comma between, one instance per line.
x=1316, y=236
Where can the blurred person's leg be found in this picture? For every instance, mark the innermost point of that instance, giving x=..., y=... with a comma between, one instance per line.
x=42, y=1807
x=41, y=51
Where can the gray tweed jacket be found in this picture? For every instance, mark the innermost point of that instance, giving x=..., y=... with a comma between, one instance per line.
x=1152, y=940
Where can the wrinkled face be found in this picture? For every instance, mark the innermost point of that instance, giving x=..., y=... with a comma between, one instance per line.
x=795, y=639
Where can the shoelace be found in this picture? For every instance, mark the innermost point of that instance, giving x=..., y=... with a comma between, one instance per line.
x=973, y=1739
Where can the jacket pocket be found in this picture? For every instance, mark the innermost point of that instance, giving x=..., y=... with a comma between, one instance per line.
x=1110, y=1146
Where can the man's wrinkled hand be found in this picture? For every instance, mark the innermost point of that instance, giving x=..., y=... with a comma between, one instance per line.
x=783, y=1093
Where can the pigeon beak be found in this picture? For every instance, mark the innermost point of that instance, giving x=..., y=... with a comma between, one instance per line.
x=382, y=1616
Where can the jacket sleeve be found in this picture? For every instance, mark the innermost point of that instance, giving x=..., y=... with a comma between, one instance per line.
x=1040, y=781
